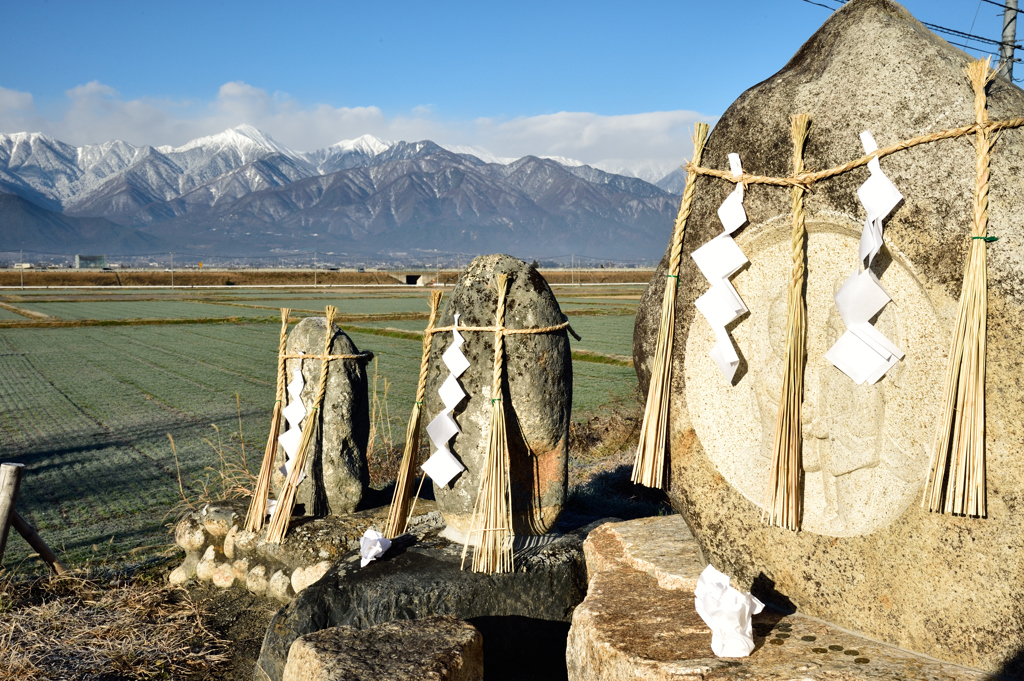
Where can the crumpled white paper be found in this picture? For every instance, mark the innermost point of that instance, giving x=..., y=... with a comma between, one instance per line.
x=863, y=353
x=372, y=545
x=294, y=413
x=442, y=465
x=718, y=260
x=727, y=611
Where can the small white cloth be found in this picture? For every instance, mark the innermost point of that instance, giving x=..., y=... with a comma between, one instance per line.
x=372, y=545
x=727, y=611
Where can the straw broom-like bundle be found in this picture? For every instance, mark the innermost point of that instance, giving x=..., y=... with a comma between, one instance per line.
x=782, y=506
x=258, y=506
x=286, y=503
x=649, y=465
x=494, y=498
x=956, y=477
x=398, y=516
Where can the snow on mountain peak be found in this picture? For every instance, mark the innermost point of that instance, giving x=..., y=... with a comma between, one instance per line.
x=367, y=144
x=244, y=138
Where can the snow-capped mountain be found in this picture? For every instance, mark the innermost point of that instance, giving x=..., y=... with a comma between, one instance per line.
x=242, y=190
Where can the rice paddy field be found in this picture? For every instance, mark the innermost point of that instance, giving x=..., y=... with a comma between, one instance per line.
x=93, y=383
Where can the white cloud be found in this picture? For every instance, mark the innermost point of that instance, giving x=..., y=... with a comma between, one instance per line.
x=650, y=144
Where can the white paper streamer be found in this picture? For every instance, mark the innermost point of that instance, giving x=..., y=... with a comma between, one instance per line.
x=727, y=611
x=862, y=352
x=294, y=414
x=372, y=545
x=442, y=465
x=718, y=260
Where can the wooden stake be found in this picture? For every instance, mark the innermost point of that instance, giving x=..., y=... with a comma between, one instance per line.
x=494, y=498
x=37, y=543
x=258, y=507
x=649, y=464
x=286, y=502
x=783, y=502
x=398, y=516
x=10, y=481
x=957, y=475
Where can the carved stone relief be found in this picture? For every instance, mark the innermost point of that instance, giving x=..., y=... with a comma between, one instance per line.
x=865, y=448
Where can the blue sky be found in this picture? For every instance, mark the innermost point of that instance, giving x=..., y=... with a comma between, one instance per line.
x=600, y=81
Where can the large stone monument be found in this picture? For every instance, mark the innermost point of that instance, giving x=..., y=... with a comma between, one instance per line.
x=538, y=380
x=868, y=556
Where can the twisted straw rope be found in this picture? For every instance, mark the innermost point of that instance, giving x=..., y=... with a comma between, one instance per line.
x=804, y=179
x=506, y=331
x=367, y=355
x=782, y=506
x=399, y=514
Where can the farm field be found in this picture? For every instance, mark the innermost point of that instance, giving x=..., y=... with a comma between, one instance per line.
x=88, y=408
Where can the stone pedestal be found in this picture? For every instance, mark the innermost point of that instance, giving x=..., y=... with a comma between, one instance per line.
x=868, y=557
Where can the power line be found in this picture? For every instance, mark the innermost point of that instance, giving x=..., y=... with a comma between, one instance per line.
x=940, y=29
x=999, y=4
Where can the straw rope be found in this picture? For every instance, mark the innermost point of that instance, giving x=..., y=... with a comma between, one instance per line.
x=649, y=464
x=509, y=332
x=278, y=526
x=398, y=516
x=957, y=473
x=494, y=497
x=782, y=505
x=367, y=355
x=806, y=179
x=258, y=506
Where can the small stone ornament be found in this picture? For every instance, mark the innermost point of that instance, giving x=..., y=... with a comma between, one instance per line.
x=372, y=545
x=727, y=611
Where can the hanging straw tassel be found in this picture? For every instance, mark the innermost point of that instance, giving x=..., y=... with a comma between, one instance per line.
x=258, y=506
x=494, y=498
x=956, y=477
x=782, y=506
x=398, y=516
x=649, y=465
x=286, y=503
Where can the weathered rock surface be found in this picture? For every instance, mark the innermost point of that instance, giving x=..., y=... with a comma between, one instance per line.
x=432, y=648
x=868, y=558
x=537, y=392
x=638, y=622
x=337, y=475
x=420, y=577
x=229, y=555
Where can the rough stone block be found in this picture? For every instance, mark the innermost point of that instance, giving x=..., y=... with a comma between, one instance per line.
x=433, y=648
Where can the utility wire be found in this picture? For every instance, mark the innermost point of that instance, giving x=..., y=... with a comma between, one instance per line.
x=999, y=4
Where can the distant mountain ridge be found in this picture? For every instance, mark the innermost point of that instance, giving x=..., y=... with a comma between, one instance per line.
x=241, y=191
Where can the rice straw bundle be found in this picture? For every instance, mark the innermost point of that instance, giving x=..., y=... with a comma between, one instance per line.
x=494, y=498
x=286, y=502
x=956, y=477
x=783, y=503
x=398, y=516
x=258, y=505
x=649, y=465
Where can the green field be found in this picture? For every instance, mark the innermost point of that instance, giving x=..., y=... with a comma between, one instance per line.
x=88, y=409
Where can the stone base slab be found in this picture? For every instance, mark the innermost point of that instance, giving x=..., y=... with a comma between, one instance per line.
x=435, y=648
x=638, y=622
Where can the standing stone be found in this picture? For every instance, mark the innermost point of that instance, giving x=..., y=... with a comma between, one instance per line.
x=868, y=557
x=537, y=397
x=336, y=471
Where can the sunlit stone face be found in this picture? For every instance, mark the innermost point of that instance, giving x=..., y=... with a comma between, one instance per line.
x=865, y=448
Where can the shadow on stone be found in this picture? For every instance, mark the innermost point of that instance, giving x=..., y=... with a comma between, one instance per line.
x=764, y=590
x=520, y=648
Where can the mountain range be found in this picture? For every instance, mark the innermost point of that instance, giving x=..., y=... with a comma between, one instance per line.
x=241, y=192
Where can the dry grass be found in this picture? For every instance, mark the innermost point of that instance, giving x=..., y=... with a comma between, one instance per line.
x=383, y=454
x=79, y=628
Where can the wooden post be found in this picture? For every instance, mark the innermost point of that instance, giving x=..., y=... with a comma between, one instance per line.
x=37, y=543
x=10, y=481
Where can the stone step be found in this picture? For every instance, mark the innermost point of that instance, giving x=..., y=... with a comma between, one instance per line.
x=638, y=622
x=436, y=648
